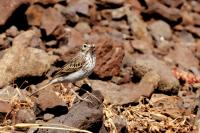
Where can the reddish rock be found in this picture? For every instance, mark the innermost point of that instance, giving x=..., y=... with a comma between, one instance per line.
x=5, y=107
x=83, y=115
x=83, y=27
x=126, y=93
x=183, y=56
x=21, y=60
x=81, y=6
x=34, y=15
x=51, y=19
x=75, y=40
x=46, y=2
x=7, y=7
x=146, y=63
x=109, y=55
x=170, y=13
x=48, y=99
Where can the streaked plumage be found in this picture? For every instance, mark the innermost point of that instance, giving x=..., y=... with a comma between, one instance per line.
x=79, y=67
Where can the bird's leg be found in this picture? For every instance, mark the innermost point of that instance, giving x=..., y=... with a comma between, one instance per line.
x=86, y=81
x=80, y=98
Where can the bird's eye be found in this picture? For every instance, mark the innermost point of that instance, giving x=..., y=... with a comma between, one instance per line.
x=84, y=45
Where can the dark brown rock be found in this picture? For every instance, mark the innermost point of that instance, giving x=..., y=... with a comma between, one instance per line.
x=83, y=115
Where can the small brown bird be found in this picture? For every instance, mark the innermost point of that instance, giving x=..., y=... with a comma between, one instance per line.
x=79, y=67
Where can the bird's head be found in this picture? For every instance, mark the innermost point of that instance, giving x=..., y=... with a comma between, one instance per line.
x=88, y=48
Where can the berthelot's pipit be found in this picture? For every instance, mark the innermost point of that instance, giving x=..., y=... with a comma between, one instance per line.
x=79, y=67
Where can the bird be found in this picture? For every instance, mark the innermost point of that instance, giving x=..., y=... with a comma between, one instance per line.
x=77, y=68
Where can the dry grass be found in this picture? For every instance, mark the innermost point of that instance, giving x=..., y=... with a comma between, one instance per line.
x=146, y=118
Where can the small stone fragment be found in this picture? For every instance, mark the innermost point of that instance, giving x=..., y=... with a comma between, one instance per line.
x=12, y=31
x=25, y=116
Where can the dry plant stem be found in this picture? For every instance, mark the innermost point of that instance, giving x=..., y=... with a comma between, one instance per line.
x=42, y=88
x=42, y=126
x=80, y=98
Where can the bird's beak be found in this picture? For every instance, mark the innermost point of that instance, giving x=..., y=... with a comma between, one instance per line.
x=93, y=47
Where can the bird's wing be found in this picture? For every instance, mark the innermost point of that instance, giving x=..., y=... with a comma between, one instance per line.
x=71, y=66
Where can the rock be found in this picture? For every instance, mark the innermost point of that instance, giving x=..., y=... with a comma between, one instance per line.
x=83, y=115
x=48, y=116
x=34, y=15
x=75, y=40
x=83, y=27
x=51, y=43
x=114, y=1
x=7, y=7
x=81, y=6
x=170, y=13
x=147, y=63
x=109, y=55
x=48, y=99
x=51, y=19
x=126, y=93
x=12, y=31
x=68, y=12
x=5, y=106
x=46, y=2
x=6, y=96
x=185, y=38
x=120, y=123
x=3, y=41
x=138, y=26
x=183, y=56
x=20, y=60
x=142, y=46
x=160, y=30
x=25, y=116
x=114, y=13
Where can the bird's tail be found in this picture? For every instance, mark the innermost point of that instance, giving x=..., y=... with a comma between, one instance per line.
x=43, y=87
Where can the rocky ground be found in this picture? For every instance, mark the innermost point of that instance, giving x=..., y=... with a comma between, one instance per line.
x=146, y=78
